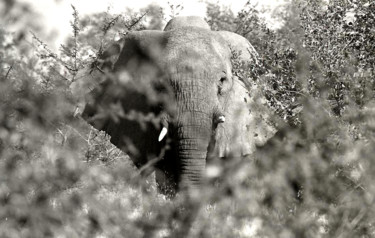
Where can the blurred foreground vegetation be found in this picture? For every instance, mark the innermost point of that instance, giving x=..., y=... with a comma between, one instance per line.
x=61, y=178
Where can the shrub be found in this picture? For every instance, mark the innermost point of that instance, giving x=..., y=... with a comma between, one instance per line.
x=61, y=178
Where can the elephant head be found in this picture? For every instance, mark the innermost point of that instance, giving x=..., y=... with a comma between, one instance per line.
x=179, y=83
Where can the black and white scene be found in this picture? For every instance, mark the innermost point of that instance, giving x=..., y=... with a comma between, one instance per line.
x=187, y=119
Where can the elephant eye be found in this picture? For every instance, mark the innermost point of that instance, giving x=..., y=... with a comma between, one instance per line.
x=222, y=80
x=223, y=77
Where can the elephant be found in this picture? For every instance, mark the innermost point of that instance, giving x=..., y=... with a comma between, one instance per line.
x=170, y=99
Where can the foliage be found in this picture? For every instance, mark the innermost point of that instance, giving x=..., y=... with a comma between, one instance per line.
x=220, y=18
x=277, y=56
x=318, y=75
x=61, y=178
x=343, y=30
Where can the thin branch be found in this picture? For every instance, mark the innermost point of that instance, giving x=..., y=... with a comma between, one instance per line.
x=137, y=21
x=52, y=55
x=44, y=45
x=10, y=68
x=89, y=136
x=152, y=162
x=296, y=92
x=79, y=134
x=105, y=30
x=354, y=223
x=76, y=30
x=64, y=136
x=108, y=25
x=98, y=68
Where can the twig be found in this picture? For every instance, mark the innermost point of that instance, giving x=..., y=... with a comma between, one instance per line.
x=137, y=21
x=108, y=25
x=152, y=162
x=45, y=47
x=98, y=68
x=105, y=30
x=10, y=68
x=79, y=134
x=76, y=31
x=108, y=151
x=342, y=50
x=353, y=224
x=63, y=135
x=52, y=55
x=296, y=92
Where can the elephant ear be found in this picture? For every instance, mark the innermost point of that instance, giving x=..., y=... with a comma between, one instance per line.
x=90, y=77
x=130, y=99
x=247, y=121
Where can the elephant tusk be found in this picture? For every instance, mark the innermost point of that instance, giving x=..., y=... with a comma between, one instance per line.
x=221, y=119
x=162, y=133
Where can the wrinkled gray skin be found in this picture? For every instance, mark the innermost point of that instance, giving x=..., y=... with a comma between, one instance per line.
x=194, y=70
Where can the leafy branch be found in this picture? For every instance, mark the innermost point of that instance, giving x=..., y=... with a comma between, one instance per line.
x=76, y=30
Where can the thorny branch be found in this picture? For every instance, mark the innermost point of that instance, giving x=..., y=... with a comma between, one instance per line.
x=50, y=54
x=136, y=21
x=109, y=24
x=76, y=30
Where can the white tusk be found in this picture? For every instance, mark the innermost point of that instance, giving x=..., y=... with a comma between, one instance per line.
x=221, y=119
x=163, y=133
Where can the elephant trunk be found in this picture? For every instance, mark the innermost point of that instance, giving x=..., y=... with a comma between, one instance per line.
x=192, y=155
x=196, y=101
x=194, y=134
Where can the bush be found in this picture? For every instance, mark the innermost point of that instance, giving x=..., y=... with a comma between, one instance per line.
x=314, y=178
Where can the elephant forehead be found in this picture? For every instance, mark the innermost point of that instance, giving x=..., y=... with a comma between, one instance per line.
x=184, y=21
x=198, y=48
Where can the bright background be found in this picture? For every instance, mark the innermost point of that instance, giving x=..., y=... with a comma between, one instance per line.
x=56, y=15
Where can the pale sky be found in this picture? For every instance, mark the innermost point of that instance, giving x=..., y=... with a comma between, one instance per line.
x=56, y=15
